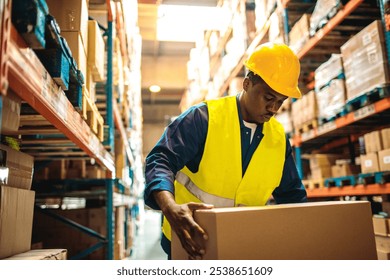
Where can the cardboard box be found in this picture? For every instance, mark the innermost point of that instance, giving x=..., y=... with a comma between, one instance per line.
x=16, y=218
x=71, y=15
x=331, y=99
x=373, y=141
x=75, y=43
x=386, y=207
x=326, y=230
x=299, y=33
x=11, y=113
x=382, y=243
x=321, y=172
x=320, y=160
x=365, y=60
x=382, y=255
x=96, y=48
x=345, y=169
x=385, y=134
x=41, y=254
x=384, y=160
x=328, y=71
x=369, y=163
x=381, y=226
x=20, y=167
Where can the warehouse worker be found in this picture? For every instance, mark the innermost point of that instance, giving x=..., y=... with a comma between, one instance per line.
x=227, y=152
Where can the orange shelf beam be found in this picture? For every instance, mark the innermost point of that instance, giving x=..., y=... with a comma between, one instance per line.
x=373, y=189
x=340, y=122
x=119, y=125
x=29, y=79
x=336, y=20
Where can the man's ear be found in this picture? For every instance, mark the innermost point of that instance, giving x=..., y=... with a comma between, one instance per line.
x=245, y=83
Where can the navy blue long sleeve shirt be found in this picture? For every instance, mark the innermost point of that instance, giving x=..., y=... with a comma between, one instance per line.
x=182, y=144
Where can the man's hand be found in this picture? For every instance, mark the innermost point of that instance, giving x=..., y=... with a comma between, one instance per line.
x=180, y=217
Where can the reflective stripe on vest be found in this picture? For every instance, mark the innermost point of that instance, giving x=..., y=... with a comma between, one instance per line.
x=203, y=196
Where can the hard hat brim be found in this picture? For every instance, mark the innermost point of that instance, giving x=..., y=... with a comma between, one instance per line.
x=293, y=92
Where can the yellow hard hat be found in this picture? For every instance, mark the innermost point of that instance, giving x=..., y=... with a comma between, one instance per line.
x=278, y=66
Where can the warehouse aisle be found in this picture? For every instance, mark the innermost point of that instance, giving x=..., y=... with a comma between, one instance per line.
x=147, y=241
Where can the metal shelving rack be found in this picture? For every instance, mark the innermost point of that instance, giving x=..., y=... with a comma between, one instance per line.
x=349, y=19
x=23, y=73
x=347, y=128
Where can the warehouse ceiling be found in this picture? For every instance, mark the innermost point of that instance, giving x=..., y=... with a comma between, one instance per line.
x=164, y=60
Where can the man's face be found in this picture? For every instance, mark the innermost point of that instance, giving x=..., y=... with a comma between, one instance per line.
x=260, y=102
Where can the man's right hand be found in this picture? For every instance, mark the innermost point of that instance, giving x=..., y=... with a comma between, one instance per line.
x=180, y=217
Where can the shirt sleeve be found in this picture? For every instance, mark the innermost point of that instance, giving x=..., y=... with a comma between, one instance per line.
x=291, y=189
x=182, y=142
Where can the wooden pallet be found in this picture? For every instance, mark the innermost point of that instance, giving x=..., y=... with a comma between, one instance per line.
x=313, y=183
x=342, y=113
x=367, y=98
x=305, y=127
x=373, y=178
x=87, y=105
x=341, y=181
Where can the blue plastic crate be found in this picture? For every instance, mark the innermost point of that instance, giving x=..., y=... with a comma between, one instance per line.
x=29, y=18
x=57, y=64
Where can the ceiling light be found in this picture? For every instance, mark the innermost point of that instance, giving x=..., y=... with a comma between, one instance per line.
x=155, y=88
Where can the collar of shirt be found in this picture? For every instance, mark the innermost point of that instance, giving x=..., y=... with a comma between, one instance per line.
x=247, y=147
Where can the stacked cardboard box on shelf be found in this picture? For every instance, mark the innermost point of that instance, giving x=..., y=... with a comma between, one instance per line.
x=365, y=60
x=331, y=99
x=304, y=110
x=16, y=201
x=377, y=157
x=299, y=34
x=382, y=236
x=323, y=10
x=41, y=254
x=344, y=168
x=71, y=16
x=10, y=113
x=321, y=165
x=276, y=30
x=384, y=154
x=328, y=71
x=69, y=169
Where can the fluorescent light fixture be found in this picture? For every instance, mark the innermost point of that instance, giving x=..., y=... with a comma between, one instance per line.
x=155, y=88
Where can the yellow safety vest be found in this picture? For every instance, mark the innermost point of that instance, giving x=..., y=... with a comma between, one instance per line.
x=219, y=180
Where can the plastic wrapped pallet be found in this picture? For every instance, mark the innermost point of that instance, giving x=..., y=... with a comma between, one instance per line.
x=327, y=71
x=331, y=99
x=364, y=60
x=324, y=10
x=276, y=30
x=296, y=115
x=29, y=18
x=309, y=107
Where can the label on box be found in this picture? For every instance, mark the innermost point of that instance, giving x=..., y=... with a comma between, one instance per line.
x=368, y=163
x=366, y=39
x=386, y=160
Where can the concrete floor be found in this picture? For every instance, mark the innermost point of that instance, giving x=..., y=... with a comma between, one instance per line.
x=147, y=239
